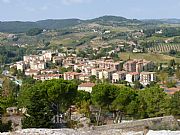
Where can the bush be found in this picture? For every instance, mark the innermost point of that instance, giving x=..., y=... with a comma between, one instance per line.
x=5, y=127
x=34, y=32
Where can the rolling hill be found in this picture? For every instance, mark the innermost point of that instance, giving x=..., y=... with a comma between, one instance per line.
x=17, y=26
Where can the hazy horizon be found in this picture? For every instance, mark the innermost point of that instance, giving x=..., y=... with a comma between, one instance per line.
x=23, y=10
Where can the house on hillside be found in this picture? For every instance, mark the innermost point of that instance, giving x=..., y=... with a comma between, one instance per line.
x=71, y=75
x=86, y=87
x=147, y=77
x=132, y=77
x=121, y=75
x=31, y=72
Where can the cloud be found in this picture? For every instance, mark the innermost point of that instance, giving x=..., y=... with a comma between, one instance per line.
x=69, y=2
x=6, y=1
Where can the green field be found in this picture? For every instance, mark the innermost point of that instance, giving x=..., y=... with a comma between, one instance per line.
x=158, y=58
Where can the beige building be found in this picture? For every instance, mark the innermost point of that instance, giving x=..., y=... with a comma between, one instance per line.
x=106, y=74
x=84, y=77
x=138, y=65
x=147, y=77
x=96, y=71
x=130, y=66
x=48, y=77
x=31, y=72
x=71, y=75
x=121, y=75
x=58, y=60
x=30, y=58
x=37, y=65
x=109, y=64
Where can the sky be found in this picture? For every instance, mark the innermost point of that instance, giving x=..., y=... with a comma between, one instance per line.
x=33, y=10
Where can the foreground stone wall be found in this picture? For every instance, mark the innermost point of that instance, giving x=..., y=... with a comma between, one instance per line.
x=158, y=123
x=138, y=127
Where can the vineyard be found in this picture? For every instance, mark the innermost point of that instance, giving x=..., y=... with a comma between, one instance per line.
x=164, y=48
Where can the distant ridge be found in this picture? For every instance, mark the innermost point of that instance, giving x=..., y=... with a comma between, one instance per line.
x=107, y=20
x=165, y=20
x=18, y=26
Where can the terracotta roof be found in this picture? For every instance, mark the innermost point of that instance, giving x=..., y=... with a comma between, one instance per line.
x=147, y=72
x=31, y=71
x=84, y=75
x=72, y=73
x=171, y=91
x=87, y=84
x=133, y=73
x=121, y=72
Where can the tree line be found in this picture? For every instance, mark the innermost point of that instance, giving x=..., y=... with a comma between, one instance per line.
x=44, y=100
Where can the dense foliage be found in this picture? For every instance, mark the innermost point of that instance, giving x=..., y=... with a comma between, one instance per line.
x=34, y=32
x=9, y=54
x=46, y=99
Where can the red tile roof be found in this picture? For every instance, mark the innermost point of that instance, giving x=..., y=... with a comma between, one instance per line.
x=87, y=84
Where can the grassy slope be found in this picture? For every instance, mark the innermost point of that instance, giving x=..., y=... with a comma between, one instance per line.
x=159, y=58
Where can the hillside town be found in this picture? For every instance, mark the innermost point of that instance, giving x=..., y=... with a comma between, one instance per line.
x=83, y=69
x=89, y=72
x=86, y=67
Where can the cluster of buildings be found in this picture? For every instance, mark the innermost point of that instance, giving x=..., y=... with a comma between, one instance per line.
x=83, y=68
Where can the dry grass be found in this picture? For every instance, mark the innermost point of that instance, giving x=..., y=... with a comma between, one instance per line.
x=158, y=58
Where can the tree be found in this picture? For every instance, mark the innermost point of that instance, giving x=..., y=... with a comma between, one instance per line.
x=78, y=70
x=5, y=127
x=45, y=99
x=9, y=94
x=138, y=85
x=92, y=78
x=13, y=71
x=62, y=70
x=34, y=32
x=39, y=110
x=175, y=104
x=171, y=84
x=9, y=88
x=172, y=63
x=152, y=102
x=163, y=76
x=121, y=105
x=102, y=97
x=178, y=74
x=83, y=102
x=172, y=52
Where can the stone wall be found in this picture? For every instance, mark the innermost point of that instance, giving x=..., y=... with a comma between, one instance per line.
x=158, y=123
x=138, y=127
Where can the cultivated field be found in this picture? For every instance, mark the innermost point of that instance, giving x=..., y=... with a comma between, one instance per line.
x=164, y=48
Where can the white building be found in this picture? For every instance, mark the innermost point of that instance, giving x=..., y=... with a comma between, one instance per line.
x=86, y=87
x=121, y=75
x=38, y=65
x=132, y=77
x=20, y=66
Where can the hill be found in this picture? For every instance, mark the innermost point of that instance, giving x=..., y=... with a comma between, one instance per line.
x=162, y=21
x=17, y=26
x=110, y=20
